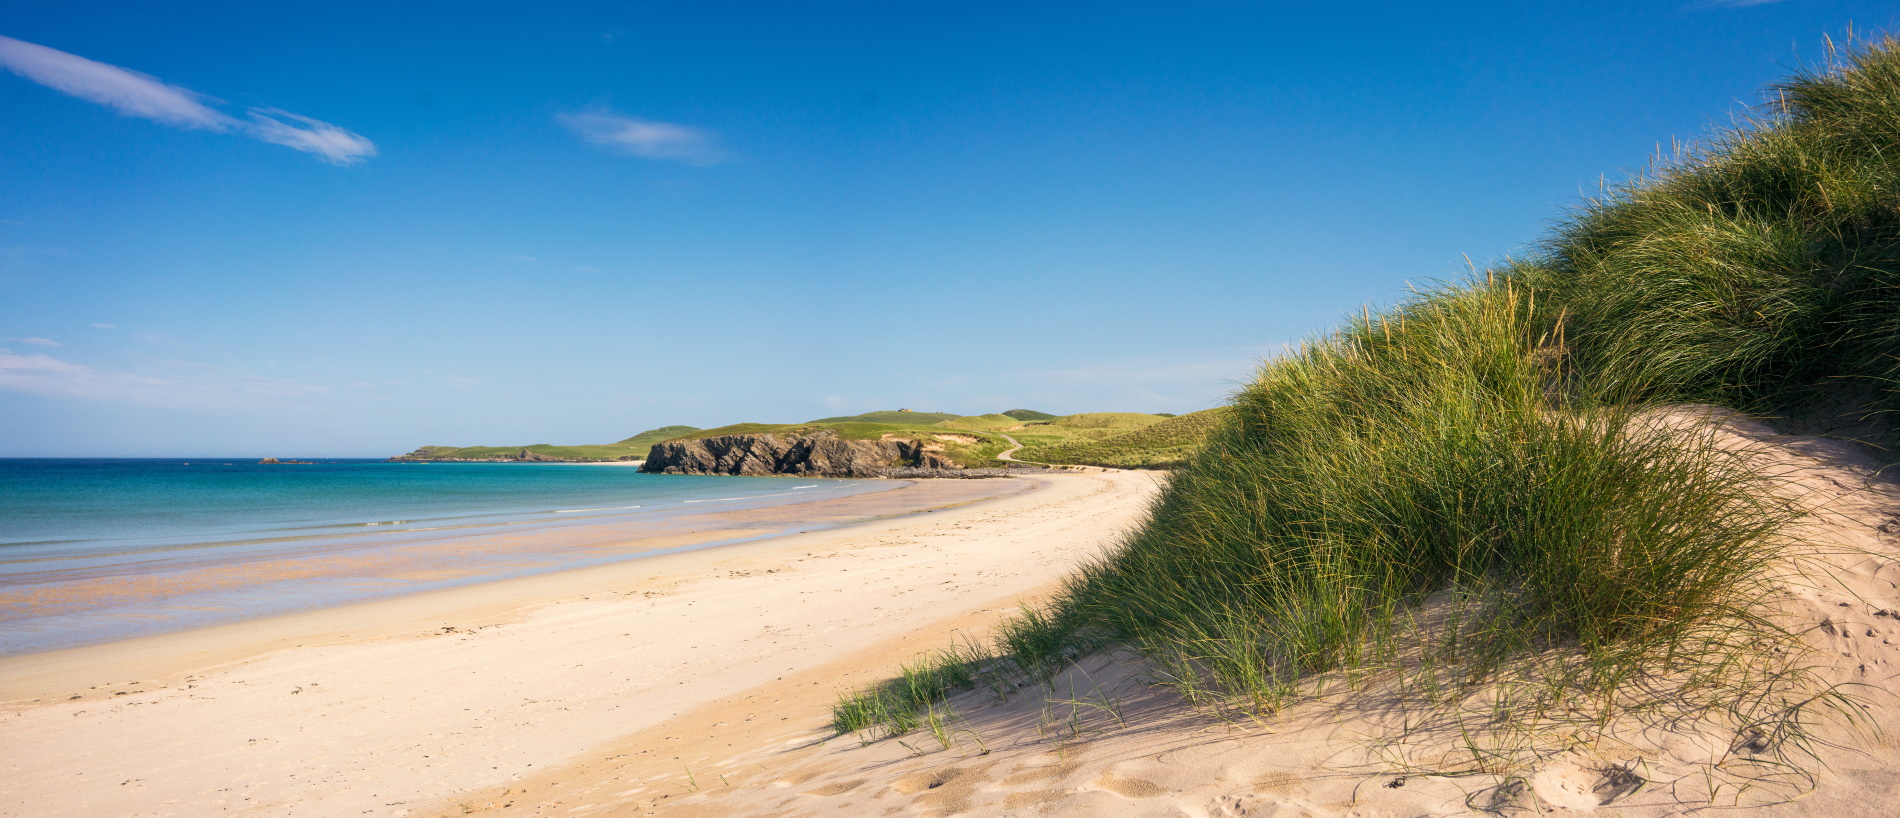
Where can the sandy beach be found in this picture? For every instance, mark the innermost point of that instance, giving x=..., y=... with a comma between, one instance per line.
x=406, y=705
x=699, y=684
x=1103, y=740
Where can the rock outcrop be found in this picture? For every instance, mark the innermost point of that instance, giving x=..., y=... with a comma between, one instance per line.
x=817, y=454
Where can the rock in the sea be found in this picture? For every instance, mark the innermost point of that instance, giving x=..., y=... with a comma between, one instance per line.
x=818, y=454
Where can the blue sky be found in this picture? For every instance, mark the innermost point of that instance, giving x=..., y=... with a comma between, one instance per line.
x=251, y=229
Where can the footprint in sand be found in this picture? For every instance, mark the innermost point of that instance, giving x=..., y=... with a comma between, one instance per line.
x=835, y=788
x=943, y=791
x=1130, y=787
x=1583, y=788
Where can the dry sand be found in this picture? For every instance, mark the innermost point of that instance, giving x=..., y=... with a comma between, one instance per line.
x=1107, y=742
x=703, y=690
x=385, y=707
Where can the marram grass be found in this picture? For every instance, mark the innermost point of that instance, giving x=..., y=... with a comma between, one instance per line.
x=1477, y=489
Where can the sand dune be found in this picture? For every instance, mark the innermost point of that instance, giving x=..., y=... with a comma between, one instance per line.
x=1106, y=742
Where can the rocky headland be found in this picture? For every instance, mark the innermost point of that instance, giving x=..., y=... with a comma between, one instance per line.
x=820, y=453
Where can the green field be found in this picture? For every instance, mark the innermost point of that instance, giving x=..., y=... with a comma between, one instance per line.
x=1166, y=443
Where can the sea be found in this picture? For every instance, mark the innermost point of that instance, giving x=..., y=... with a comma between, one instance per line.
x=94, y=550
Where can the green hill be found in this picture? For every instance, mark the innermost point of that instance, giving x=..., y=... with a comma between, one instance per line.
x=1084, y=426
x=903, y=416
x=984, y=422
x=1164, y=444
x=1029, y=414
x=633, y=448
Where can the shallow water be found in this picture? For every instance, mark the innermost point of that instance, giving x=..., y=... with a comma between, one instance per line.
x=94, y=550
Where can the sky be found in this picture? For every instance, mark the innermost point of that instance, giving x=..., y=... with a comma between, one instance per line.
x=243, y=229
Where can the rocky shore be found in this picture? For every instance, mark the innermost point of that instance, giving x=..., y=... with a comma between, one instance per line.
x=818, y=454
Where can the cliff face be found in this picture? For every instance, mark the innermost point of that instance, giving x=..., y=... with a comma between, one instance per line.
x=822, y=454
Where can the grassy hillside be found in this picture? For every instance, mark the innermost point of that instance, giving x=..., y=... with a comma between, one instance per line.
x=635, y=447
x=900, y=416
x=1468, y=492
x=1080, y=427
x=1165, y=444
x=1029, y=414
x=983, y=422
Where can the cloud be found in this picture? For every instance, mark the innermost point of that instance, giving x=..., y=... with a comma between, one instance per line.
x=147, y=97
x=106, y=326
x=201, y=387
x=328, y=142
x=50, y=377
x=645, y=138
x=38, y=342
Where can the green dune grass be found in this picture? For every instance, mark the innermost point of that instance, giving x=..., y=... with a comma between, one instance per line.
x=1472, y=490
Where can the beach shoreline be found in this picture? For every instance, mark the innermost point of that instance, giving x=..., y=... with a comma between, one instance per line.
x=54, y=601
x=408, y=700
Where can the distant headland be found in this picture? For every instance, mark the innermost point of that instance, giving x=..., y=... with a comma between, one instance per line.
x=891, y=443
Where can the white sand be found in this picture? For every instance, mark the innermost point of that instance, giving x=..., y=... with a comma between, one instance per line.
x=703, y=689
x=388, y=707
x=1106, y=743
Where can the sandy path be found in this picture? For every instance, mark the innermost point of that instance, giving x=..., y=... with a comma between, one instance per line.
x=380, y=716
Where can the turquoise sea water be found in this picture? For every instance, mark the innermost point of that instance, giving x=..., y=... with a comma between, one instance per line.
x=65, y=523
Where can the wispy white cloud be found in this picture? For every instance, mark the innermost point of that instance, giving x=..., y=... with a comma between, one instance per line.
x=645, y=138
x=50, y=377
x=202, y=387
x=147, y=97
x=38, y=342
x=106, y=326
x=329, y=142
